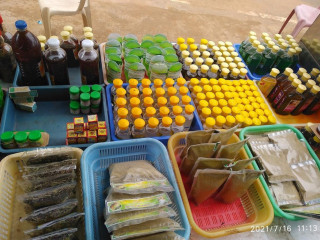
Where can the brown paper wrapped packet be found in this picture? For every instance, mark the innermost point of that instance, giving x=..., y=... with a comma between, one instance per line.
x=286, y=194
x=241, y=164
x=206, y=182
x=162, y=236
x=223, y=136
x=237, y=184
x=231, y=150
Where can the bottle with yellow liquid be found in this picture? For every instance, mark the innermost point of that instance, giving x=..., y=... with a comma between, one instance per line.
x=152, y=128
x=138, y=128
x=123, y=130
x=268, y=82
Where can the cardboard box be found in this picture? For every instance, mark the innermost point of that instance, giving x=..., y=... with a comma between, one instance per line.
x=72, y=137
x=102, y=124
x=70, y=126
x=29, y=107
x=92, y=136
x=102, y=135
x=82, y=137
x=78, y=124
x=92, y=122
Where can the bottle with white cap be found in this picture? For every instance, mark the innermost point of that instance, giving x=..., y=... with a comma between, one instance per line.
x=214, y=71
x=268, y=82
x=192, y=72
x=56, y=59
x=285, y=60
x=243, y=73
x=225, y=73
x=314, y=73
x=203, y=72
x=186, y=65
x=188, y=115
x=184, y=55
x=71, y=49
x=89, y=63
x=152, y=128
x=268, y=59
x=72, y=36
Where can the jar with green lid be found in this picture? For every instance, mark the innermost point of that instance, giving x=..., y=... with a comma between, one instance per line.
x=95, y=98
x=74, y=107
x=85, y=109
x=171, y=59
x=21, y=139
x=137, y=52
x=74, y=93
x=96, y=88
x=114, y=71
x=35, y=139
x=84, y=89
x=168, y=50
x=7, y=140
x=174, y=71
x=85, y=99
x=136, y=71
x=151, y=52
x=95, y=108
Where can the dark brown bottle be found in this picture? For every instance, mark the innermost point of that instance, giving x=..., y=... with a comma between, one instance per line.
x=27, y=50
x=56, y=59
x=43, y=63
x=309, y=96
x=70, y=47
x=314, y=106
x=291, y=101
x=89, y=63
x=283, y=87
x=89, y=36
x=72, y=36
x=7, y=36
x=7, y=62
x=281, y=79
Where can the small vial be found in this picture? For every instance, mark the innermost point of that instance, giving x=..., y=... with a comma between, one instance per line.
x=202, y=104
x=138, y=129
x=147, y=102
x=172, y=91
x=178, y=125
x=193, y=82
x=200, y=96
x=205, y=112
x=145, y=83
x=205, y=55
x=135, y=113
x=169, y=83
x=134, y=102
x=120, y=103
x=220, y=121
x=160, y=92
x=243, y=73
x=122, y=113
x=209, y=123
x=165, y=126
x=180, y=83
x=117, y=83
x=188, y=115
x=163, y=112
x=161, y=102
x=123, y=131
x=203, y=48
x=146, y=92
x=133, y=92
x=203, y=73
x=173, y=101
x=152, y=128
x=183, y=91
x=185, y=100
x=176, y=111
x=150, y=112
x=208, y=61
x=157, y=83
x=133, y=83
x=225, y=73
x=214, y=71
x=120, y=93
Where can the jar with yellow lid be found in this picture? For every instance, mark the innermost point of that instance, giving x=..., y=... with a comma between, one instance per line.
x=133, y=92
x=134, y=102
x=260, y=112
x=176, y=111
x=216, y=111
x=147, y=102
x=171, y=91
x=205, y=112
x=133, y=83
x=226, y=111
x=213, y=103
x=188, y=115
x=163, y=112
x=168, y=83
x=239, y=119
x=122, y=113
x=196, y=90
x=123, y=130
x=178, y=124
x=209, y=123
x=145, y=83
x=202, y=104
x=213, y=74
x=200, y=96
x=173, y=101
x=185, y=100
x=181, y=82
x=220, y=121
x=165, y=126
x=117, y=83
x=136, y=112
x=138, y=128
x=223, y=103
x=152, y=128
x=157, y=83
x=230, y=122
x=149, y=113
x=120, y=93
x=219, y=95
x=120, y=103
x=146, y=92
x=159, y=92
x=247, y=122
x=193, y=82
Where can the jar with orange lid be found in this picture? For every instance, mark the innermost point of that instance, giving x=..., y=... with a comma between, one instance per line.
x=138, y=128
x=189, y=116
x=209, y=123
x=123, y=130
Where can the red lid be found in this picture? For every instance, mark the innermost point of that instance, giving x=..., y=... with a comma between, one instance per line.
x=1, y=20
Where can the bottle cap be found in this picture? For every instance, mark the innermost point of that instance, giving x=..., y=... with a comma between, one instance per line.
x=218, y=54
x=255, y=105
x=193, y=47
x=214, y=68
x=243, y=72
x=205, y=54
x=148, y=101
x=315, y=89
x=226, y=110
x=305, y=77
x=145, y=82
x=134, y=92
x=221, y=60
x=42, y=46
x=216, y=111
x=42, y=38
x=121, y=92
x=189, y=109
x=298, y=50
x=185, y=54
x=232, y=103
x=291, y=52
x=197, y=89
x=216, y=88
x=244, y=113
x=209, y=61
x=117, y=83
x=88, y=35
x=261, y=48
x=316, y=139
x=181, y=81
x=123, y=124
x=183, y=90
x=225, y=88
x=196, y=54
x=199, y=61
x=315, y=72
x=203, y=48
x=226, y=54
x=288, y=72
x=87, y=44
x=174, y=100
x=180, y=120
x=74, y=105
x=222, y=102
x=65, y=35
x=284, y=46
x=85, y=96
x=53, y=43
x=292, y=76
x=260, y=112
x=210, y=122
x=121, y=102
x=256, y=121
x=188, y=61
x=239, y=118
x=193, y=68
x=247, y=121
x=272, y=120
x=7, y=136
x=136, y=112
x=253, y=114
x=229, y=60
x=213, y=81
x=248, y=107
x=210, y=95
x=252, y=33
x=235, y=56
x=215, y=49
x=183, y=46
x=194, y=82
x=150, y=111
x=252, y=38
x=238, y=100
x=146, y=92
x=21, y=25
x=235, y=72
x=122, y=112
x=220, y=120
x=301, y=71
x=133, y=83
x=288, y=37
x=211, y=44
x=213, y=103
x=190, y=41
x=203, y=104
x=74, y=90
x=219, y=95
x=68, y=28
x=166, y=121
x=228, y=95
x=204, y=68
x=221, y=43
x=267, y=112
x=185, y=99
x=255, y=43
x=205, y=112
x=267, y=39
x=310, y=84
x=180, y=40
x=172, y=91
x=301, y=88
x=139, y=123
x=264, y=34
x=153, y=122
x=230, y=120
x=271, y=44
x=294, y=45
x=274, y=72
x=134, y=102
x=177, y=110
x=87, y=29
x=162, y=101
x=164, y=111
x=160, y=92
x=231, y=50
x=277, y=36
x=225, y=72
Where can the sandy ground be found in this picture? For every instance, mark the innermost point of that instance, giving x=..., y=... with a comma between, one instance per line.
x=212, y=19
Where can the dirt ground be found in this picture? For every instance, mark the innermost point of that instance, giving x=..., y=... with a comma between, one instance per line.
x=212, y=19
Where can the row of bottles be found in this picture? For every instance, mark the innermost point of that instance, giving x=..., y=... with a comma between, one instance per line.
x=8, y=62
x=266, y=53
x=311, y=137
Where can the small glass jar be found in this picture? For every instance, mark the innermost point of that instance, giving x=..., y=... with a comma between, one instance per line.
x=74, y=93
x=74, y=107
x=85, y=89
x=95, y=98
x=85, y=99
x=7, y=140
x=21, y=139
x=85, y=109
x=95, y=108
x=96, y=88
x=35, y=139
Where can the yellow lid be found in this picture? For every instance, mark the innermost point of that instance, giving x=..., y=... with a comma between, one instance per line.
x=248, y=107
x=177, y=110
x=253, y=114
x=185, y=54
x=219, y=95
x=42, y=38
x=291, y=52
x=221, y=60
x=183, y=46
x=228, y=44
x=68, y=28
x=225, y=72
x=197, y=89
x=148, y=101
x=277, y=36
x=260, y=112
x=153, y=122
x=301, y=88
x=252, y=38
x=223, y=102
x=216, y=88
x=64, y=34
x=267, y=112
x=256, y=121
x=196, y=54
x=310, y=84
x=162, y=101
x=185, y=99
x=134, y=92
x=245, y=114
x=193, y=68
x=214, y=68
x=158, y=83
x=228, y=95
x=205, y=112
x=229, y=60
x=188, y=61
x=207, y=88
x=260, y=48
x=263, y=120
x=117, y=83
x=242, y=95
x=214, y=81
x=210, y=122
x=288, y=37
x=169, y=82
x=256, y=93
x=247, y=122
x=211, y=44
x=255, y=43
x=253, y=88
x=213, y=103
x=221, y=43
x=239, y=119
x=224, y=65
x=220, y=120
x=296, y=82
x=203, y=48
x=249, y=93
x=243, y=82
x=123, y=124
x=87, y=29
x=264, y=34
x=181, y=81
x=241, y=106
x=252, y=33
x=122, y=112
x=203, y=103
x=121, y=102
x=318, y=79
x=134, y=102
x=190, y=41
x=172, y=91
x=42, y=46
x=235, y=110
x=246, y=88
x=183, y=91
x=226, y=111
x=243, y=72
x=238, y=100
x=295, y=45
x=237, y=60
x=267, y=39
x=204, y=68
x=136, y=112
x=230, y=120
x=271, y=44
x=145, y=83
x=180, y=120
x=298, y=50
x=216, y=111
x=209, y=61
x=146, y=92
x=292, y=41
x=232, y=103
x=174, y=100
x=315, y=89
x=139, y=123
x=235, y=55
x=255, y=105
x=193, y=47
x=263, y=106
x=274, y=72
x=305, y=77
x=199, y=61
x=239, y=88
x=223, y=49
x=200, y=96
x=272, y=120
x=235, y=72
x=217, y=54
x=166, y=121
x=226, y=54
x=315, y=72
x=189, y=109
x=292, y=76
x=233, y=66
x=301, y=71
x=225, y=88
x=194, y=82
x=164, y=111
x=215, y=49
x=160, y=92
x=133, y=83
x=150, y=111
x=180, y=40
x=232, y=52
x=88, y=35
x=205, y=54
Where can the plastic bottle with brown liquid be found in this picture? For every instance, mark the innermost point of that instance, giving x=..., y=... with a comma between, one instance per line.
x=291, y=100
x=7, y=62
x=72, y=36
x=309, y=97
x=70, y=47
x=27, y=50
x=283, y=80
x=89, y=36
x=288, y=87
x=89, y=63
x=56, y=59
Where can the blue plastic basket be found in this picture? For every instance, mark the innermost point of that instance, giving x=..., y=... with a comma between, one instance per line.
x=195, y=125
x=255, y=76
x=95, y=179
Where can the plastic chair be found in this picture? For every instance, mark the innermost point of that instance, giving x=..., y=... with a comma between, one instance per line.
x=306, y=16
x=64, y=7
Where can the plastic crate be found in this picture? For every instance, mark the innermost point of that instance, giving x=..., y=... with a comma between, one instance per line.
x=11, y=210
x=251, y=75
x=51, y=116
x=213, y=218
x=95, y=179
x=270, y=128
x=196, y=123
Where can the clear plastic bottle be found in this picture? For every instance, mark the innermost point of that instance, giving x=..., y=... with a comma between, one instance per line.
x=186, y=65
x=70, y=47
x=178, y=125
x=185, y=100
x=183, y=91
x=152, y=128
x=213, y=73
x=165, y=126
x=147, y=102
x=123, y=130
x=146, y=92
x=203, y=73
x=134, y=102
x=133, y=83
x=7, y=62
x=138, y=128
x=120, y=93
x=120, y=103
x=160, y=92
x=205, y=112
x=171, y=91
x=188, y=115
x=135, y=114
x=180, y=83
x=117, y=83
x=145, y=83
x=176, y=111
x=157, y=83
x=193, y=82
x=122, y=113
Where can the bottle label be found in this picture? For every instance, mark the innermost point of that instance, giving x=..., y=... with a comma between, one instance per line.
x=52, y=80
x=266, y=86
x=275, y=90
x=316, y=107
x=306, y=104
x=278, y=98
x=291, y=105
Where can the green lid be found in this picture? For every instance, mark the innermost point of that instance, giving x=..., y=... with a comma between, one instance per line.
x=112, y=65
x=154, y=51
x=95, y=105
x=132, y=44
x=113, y=43
x=169, y=50
x=7, y=136
x=132, y=59
x=85, y=89
x=113, y=50
x=85, y=96
x=34, y=135
x=74, y=90
x=96, y=88
x=95, y=95
x=75, y=104
x=137, y=67
x=129, y=37
x=146, y=44
x=171, y=58
x=137, y=52
x=157, y=59
x=158, y=38
x=21, y=137
x=159, y=68
x=165, y=44
x=115, y=57
x=148, y=37
x=176, y=67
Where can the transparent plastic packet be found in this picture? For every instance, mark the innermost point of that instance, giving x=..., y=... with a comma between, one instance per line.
x=39, y=168
x=146, y=228
x=230, y=151
x=69, y=221
x=49, y=196
x=47, y=155
x=34, y=185
x=120, y=203
x=162, y=236
x=62, y=234
x=241, y=164
x=50, y=173
x=115, y=221
x=51, y=213
x=136, y=177
x=223, y=136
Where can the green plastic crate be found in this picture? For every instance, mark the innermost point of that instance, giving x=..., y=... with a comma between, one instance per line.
x=271, y=128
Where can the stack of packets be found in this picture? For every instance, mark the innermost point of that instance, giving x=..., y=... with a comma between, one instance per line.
x=49, y=185
x=137, y=204
x=23, y=98
x=290, y=170
x=79, y=132
x=214, y=168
